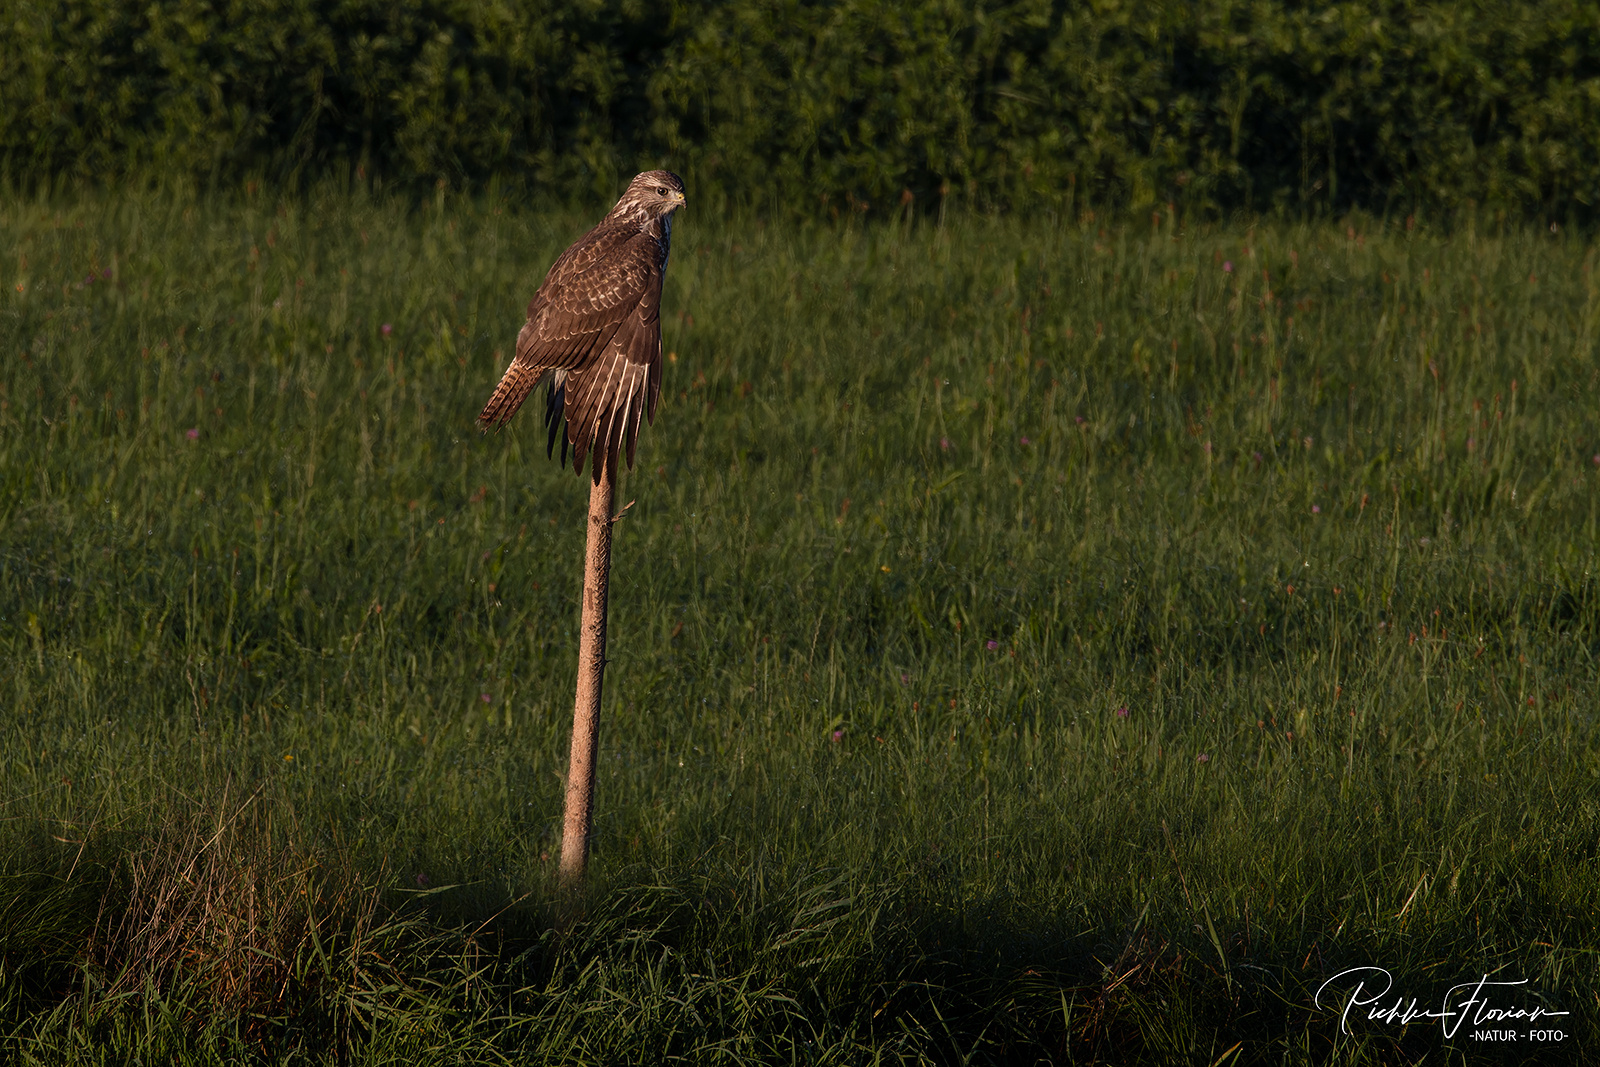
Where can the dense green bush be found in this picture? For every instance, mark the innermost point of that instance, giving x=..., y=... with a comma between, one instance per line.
x=1385, y=104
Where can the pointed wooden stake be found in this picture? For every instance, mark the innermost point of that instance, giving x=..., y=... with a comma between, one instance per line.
x=591, y=673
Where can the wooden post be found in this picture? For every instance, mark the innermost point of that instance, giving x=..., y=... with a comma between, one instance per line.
x=591, y=673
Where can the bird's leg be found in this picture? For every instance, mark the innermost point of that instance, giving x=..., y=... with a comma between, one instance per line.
x=591, y=672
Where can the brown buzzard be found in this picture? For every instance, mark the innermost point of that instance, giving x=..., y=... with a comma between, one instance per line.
x=594, y=330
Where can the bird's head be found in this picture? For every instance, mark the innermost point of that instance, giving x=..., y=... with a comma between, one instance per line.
x=655, y=194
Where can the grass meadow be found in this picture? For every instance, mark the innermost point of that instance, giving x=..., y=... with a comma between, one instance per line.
x=1031, y=642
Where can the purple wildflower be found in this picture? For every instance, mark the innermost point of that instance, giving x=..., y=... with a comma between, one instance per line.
x=1026, y=441
x=193, y=433
x=944, y=443
x=838, y=735
x=1202, y=758
x=1122, y=712
x=991, y=645
x=1227, y=266
x=485, y=698
x=1316, y=509
x=386, y=329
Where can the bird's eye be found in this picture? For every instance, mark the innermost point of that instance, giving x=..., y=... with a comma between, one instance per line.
x=661, y=190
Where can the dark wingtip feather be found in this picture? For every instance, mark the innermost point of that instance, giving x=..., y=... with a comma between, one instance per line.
x=579, y=444
x=653, y=386
x=554, y=407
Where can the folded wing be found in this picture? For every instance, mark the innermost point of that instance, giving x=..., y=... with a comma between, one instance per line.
x=593, y=330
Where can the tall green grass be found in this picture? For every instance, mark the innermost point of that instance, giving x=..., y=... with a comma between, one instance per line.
x=1030, y=643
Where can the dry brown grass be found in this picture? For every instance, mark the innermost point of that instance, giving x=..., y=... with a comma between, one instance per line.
x=227, y=909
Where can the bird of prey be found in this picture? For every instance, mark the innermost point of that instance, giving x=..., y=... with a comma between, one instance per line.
x=594, y=334
x=594, y=331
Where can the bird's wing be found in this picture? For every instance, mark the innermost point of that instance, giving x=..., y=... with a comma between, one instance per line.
x=591, y=292
x=608, y=399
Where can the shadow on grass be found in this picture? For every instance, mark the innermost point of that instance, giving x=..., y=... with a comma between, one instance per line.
x=225, y=930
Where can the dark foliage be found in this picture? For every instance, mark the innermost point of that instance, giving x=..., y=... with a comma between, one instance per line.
x=839, y=105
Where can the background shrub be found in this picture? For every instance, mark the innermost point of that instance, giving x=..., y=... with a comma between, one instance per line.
x=832, y=104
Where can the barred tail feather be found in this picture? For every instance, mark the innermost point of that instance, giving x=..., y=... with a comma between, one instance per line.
x=513, y=389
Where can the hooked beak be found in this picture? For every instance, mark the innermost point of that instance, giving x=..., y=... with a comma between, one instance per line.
x=678, y=200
